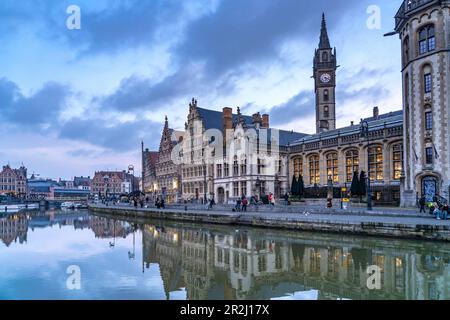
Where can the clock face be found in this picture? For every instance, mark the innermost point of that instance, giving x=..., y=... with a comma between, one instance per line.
x=325, y=78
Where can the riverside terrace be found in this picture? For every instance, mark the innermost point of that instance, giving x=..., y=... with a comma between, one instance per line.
x=397, y=223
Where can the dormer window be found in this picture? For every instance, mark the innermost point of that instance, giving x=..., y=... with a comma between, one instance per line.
x=427, y=39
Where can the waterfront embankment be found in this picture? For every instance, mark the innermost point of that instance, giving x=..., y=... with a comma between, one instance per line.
x=408, y=226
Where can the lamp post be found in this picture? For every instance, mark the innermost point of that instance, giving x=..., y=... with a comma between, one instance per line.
x=364, y=130
x=204, y=181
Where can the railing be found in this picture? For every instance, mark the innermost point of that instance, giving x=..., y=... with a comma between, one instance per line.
x=408, y=6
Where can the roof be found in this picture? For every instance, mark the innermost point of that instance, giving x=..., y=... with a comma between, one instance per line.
x=214, y=119
x=388, y=120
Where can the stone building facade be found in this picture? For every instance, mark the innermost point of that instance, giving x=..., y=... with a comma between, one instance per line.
x=337, y=154
x=13, y=181
x=168, y=178
x=333, y=155
x=424, y=30
x=227, y=155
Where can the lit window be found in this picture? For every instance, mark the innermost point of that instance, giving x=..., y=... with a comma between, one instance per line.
x=397, y=156
x=314, y=170
x=351, y=164
x=376, y=163
x=326, y=112
x=326, y=96
x=298, y=166
x=332, y=166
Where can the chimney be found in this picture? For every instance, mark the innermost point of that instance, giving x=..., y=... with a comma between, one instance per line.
x=376, y=112
x=265, y=121
x=256, y=120
x=352, y=123
x=227, y=119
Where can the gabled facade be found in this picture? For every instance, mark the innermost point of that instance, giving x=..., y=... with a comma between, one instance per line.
x=13, y=181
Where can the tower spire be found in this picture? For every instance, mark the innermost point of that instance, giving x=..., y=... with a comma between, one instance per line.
x=324, y=40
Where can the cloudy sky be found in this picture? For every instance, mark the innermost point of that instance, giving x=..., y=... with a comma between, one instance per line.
x=76, y=101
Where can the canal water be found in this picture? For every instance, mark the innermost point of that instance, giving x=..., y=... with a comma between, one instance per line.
x=75, y=255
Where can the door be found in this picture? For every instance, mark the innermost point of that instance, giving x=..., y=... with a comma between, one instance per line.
x=429, y=188
x=221, y=195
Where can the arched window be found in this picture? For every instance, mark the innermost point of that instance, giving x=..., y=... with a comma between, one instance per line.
x=325, y=57
x=332, y=166
x=427, y=39
x=376, y=163
x=326, y=112
x=406, y=50
x=314, y=170
x=326, y=96
x=298, y=166
x=397, y=159
x=351, y=164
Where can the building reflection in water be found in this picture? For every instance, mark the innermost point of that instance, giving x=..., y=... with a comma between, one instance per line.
x=218, y=262
x=251, y=264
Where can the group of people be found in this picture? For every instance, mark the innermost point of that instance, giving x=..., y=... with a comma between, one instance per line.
x=438, y=209
x=243, y=202
x=160, y=203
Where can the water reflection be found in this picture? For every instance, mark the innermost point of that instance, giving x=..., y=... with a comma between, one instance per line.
x=217, y=262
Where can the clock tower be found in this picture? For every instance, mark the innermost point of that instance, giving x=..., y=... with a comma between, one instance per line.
x=325, y=82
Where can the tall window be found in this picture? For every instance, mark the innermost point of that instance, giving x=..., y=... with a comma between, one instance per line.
x=397, y=157
x=429, y=155
x=226, y=169
x=326, y=112
x=325, y=57
x=351, y=164
x=243, y=167
x=427, y=39
x=428, y=120
x=298, y=166
x=314, y=170
x=219, y=171
x=376, y=163
x=260, y=166
x=236, y=189
x=332, y=166
x=326, y=95
x=235, y=167
x=243, y=188
x=428, y=83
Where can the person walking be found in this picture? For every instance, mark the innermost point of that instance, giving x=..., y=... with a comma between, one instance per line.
x=422, y=202
x=271, y=199
x=237, y=208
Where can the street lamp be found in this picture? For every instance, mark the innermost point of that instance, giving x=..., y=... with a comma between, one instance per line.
x=258, y=187
x=364, y=130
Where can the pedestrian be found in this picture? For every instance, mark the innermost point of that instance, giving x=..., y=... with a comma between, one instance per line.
x=422, y=202
x=244, y=204
x=437, y=212
x=237, y=208
x=286, y=198
x=445, y=209
x=163, y=205
x=271, y=200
